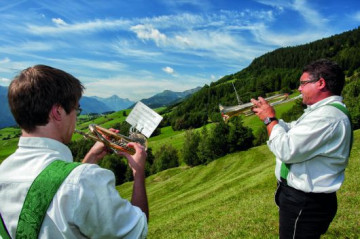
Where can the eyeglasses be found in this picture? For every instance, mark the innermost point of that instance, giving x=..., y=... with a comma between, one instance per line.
x=304, y=82
x=78, y=110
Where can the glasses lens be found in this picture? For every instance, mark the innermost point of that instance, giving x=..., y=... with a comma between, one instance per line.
x=303, y=83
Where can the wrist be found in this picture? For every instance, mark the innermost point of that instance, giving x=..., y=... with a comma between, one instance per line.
x=139, y=174
x=89, y=159
x=269, y=120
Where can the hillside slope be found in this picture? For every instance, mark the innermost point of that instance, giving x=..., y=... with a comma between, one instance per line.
x=232, y=197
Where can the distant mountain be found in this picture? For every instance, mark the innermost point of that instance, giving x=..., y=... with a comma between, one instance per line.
x=115, y=103
x=99, y=105
x=168, y=97
x=6, y=118
x=92, y=105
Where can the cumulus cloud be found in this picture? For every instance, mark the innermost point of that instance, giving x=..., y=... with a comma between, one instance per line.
x=168, y=70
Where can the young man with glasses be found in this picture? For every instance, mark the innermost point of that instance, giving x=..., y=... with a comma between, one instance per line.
x=311, y=152
x=45, y=104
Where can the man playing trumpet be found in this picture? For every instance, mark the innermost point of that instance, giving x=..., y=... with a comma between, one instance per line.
x=45, y=104
x=311, y=152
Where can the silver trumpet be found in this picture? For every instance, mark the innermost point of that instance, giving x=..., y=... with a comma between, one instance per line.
x=230, y=111
x=115, y=142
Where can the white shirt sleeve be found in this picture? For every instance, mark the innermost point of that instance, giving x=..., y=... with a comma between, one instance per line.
x=101, y=212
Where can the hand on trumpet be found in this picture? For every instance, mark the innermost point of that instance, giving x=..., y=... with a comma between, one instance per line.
x=97, y=151
x=262, y=108
x=136, y=161
x=265, y=112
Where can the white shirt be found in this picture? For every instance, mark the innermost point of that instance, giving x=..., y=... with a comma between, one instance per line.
x=87, y=204
x=317, y=146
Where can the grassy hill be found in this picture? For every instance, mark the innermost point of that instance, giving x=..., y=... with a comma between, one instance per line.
x=232, y=197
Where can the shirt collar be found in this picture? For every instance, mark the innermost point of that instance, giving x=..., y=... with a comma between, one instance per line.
x=327, y=100
x=47, y=143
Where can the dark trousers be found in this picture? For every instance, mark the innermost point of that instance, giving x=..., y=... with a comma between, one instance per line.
x=304, y=215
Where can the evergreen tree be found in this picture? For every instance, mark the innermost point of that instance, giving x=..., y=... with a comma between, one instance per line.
x=190, y=148
x=240, y=137
x=218, y=143
x=204, y=153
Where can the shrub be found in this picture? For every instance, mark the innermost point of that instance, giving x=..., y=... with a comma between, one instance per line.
x=166, y=157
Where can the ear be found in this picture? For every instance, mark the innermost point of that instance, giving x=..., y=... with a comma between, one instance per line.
x=322, y=84
x=56, y=112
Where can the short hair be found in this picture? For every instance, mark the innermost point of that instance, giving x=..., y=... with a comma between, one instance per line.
x=330, y=71
x=36, y=90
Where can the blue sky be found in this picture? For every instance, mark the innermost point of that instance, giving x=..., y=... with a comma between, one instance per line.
x=137, y=48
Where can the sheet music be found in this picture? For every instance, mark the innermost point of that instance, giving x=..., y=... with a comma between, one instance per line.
x=144, y=119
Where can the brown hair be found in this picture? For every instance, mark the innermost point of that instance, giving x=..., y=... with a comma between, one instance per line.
x=328, y=70
x=37, y=89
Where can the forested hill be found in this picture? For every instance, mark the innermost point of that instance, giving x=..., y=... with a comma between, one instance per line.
x=278, y=70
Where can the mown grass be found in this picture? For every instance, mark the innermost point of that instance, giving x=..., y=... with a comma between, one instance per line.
x=232, y=197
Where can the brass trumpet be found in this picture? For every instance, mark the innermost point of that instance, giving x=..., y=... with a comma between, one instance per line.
x=115, y=142
x=230, y=111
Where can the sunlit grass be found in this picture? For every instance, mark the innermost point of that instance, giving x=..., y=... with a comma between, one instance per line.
x=232, y=197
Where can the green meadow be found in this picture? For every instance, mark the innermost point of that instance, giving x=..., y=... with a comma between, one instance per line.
x=232, y=197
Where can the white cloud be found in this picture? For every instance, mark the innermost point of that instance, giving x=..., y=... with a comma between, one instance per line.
x=5, y=60
x=183, y=41
x=124, y=48
x=148, y=32
x=269, y=37
x=198, y=44
x=302, y=7
x=168, y=70
x=142, y=85
x=59, y=21
x=90, y=26
x=11, y=68
x=310, y=15
x=4, y=81
x=96, y=64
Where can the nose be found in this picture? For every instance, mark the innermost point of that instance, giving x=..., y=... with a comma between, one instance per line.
x=299, y=89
